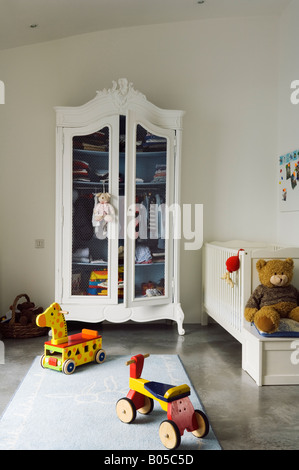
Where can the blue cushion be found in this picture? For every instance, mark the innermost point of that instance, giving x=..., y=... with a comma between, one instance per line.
x=287, y=328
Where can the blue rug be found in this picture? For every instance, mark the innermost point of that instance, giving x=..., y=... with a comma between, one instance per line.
x=54, y=411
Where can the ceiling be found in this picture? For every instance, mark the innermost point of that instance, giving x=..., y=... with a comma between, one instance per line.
x=61, y=18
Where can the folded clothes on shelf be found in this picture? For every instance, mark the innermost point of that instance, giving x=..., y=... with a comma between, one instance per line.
x=153, y=292
x=103, y=175
x=160, y=174
x=81, y=255
x=95, y=147
x=81, y=170
x=154, y=142
x=143, y=254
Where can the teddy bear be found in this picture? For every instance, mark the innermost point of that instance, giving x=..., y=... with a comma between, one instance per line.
x=26, y=313
x=275, y=297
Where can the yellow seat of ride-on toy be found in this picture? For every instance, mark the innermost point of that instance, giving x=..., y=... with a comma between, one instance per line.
x=166, y=392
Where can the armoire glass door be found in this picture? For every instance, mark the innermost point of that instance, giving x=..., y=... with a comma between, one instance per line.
x=88, y=255
x=151, y=248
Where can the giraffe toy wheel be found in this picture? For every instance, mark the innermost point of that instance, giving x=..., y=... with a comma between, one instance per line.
x=42, y=361
x=100, y=356
x=69, y=367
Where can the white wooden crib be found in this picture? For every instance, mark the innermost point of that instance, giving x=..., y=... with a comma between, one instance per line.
x=269, y=361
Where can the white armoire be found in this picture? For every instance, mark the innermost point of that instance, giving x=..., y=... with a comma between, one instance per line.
x=126, y=267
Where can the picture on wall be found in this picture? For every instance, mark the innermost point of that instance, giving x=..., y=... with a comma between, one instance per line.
x=289, y=182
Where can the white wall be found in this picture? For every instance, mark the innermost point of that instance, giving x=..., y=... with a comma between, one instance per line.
x=288, y=113
x=223, y=73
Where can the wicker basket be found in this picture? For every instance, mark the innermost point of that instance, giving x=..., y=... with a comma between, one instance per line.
x=12, y=329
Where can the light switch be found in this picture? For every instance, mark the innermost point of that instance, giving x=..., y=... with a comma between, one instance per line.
x=39, y=243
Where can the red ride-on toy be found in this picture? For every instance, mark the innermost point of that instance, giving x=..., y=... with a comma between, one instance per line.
x=181, y=415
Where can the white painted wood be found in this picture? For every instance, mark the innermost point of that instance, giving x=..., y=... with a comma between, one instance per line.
x=270, y=361
x=117, y=100
x=104, y=110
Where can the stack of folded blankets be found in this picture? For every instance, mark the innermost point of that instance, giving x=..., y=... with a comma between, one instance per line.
x=154, y=143
x=80, y=171
x=160, y=174
x=81, y=255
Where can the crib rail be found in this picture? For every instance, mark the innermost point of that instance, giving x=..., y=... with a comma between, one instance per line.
x=223, y=303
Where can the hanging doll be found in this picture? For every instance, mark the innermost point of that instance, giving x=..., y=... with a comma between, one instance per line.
x=103, y=211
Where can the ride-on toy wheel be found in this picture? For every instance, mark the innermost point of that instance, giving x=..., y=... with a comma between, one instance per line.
x=203, y=424
x=147, y=407
x=126, y=410
x=169, y=434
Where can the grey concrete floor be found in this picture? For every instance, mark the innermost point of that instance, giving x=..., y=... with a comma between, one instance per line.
x=243, y=415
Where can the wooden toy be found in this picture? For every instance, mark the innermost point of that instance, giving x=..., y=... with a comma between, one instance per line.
x=64, y=353
x=174, y=400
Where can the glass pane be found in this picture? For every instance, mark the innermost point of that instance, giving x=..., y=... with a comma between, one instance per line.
x=89, y=236
x=150, y=214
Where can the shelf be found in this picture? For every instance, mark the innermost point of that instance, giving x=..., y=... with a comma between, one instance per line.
x=143, y=297
x=77, y=263
x=94, y=185
x=85, y=184
x=90, y=265
x=95, y=153
x=103, y=153
x=150, y=184
x=154, y=263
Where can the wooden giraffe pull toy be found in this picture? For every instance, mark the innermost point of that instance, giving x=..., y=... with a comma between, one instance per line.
x=65, y=352
x=53, y=317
